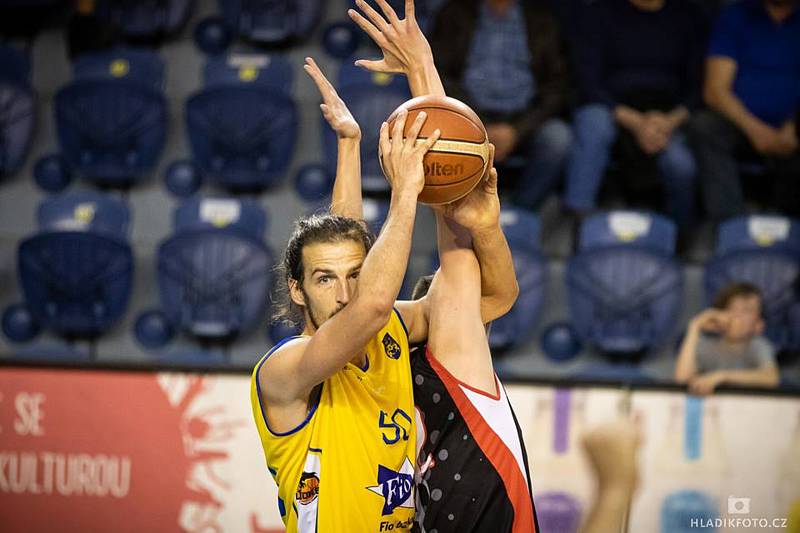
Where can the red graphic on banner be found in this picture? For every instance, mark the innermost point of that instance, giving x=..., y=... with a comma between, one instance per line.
x=105, y=451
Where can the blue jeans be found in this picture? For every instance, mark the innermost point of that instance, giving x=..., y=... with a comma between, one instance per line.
x=545, y=153
x=595, y=135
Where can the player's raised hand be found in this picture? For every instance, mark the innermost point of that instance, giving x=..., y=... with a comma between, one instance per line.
x=402, y=42
x=401, y=157
x=333, y=108
x=480, y=209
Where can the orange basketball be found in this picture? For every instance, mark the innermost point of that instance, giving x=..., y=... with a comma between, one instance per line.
x=458, y=160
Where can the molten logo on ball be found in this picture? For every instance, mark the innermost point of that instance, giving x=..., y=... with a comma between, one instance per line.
x=438, y=169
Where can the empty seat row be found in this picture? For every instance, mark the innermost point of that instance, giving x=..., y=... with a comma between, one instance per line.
x=242, y=126
x=76, y=273
x=624, y=285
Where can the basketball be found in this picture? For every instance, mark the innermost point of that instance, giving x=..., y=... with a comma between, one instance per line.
x=458, y=160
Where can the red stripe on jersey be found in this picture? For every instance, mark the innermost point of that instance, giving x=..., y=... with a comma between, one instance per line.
x=494, y=448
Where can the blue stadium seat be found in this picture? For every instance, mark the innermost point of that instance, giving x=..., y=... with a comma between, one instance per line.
x=375, y=213
x=522, y=231
x=272, y=21
x=143, y=19
x=112, y=118
x=624, y=286
x=215, y=272
x=243, y=125
x=764, y=251
x=17, y=109
x=76, y=272
x=371, y=98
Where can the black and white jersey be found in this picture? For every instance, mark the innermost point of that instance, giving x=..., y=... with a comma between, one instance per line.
x=472, y=472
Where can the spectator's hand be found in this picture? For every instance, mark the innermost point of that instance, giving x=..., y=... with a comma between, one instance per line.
x=787, y=140
x=401, y=158
x=402, y=42
x=333, y=108
x=704, y=384
x=480, y=209
x=612, y=449
x=660, y=122
x=712, y=320
x=504, y=138
x=653, y=133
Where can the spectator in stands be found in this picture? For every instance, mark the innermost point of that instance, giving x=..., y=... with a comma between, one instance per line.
x=724, y=344
x=639, y=70
x=507, y=60
x=753, y=91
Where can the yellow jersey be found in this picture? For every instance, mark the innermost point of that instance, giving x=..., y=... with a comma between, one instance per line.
x=349, y=466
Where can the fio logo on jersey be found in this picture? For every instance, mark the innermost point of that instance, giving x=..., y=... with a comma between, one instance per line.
x=308, y=488
x=397, y=488
x=391, y=347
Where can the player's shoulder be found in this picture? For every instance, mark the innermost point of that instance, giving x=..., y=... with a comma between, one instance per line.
x=279, y=363
x=286, y=349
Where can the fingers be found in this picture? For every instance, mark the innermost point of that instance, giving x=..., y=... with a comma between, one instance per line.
x=416, y=127
x=326, y=112
x=372, y=66
x=373, y=15
x=325, y=87
x=491, y=180
x=397, y=131
x=384, y=143
x=410, y=10
x=430, y=141
x=491, y=157
x=367, y=26
x=388, y=11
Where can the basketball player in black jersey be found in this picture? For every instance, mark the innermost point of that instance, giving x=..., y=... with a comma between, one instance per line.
x=472, y=470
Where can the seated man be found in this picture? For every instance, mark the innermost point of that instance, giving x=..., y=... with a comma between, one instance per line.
x=639, y=68
x=734, y=352
x=505, y=59
x=753, y=91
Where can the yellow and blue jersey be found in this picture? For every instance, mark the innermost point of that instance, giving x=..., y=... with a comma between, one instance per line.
x=349, y=466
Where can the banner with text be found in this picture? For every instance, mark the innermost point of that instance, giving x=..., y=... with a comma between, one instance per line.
x=86, y=451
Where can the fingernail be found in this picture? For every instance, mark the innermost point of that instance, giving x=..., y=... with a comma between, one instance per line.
x=423, y=114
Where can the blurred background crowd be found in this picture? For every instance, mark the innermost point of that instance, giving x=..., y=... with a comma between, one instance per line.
x=154, y=155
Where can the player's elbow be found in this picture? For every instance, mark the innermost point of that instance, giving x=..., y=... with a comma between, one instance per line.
x=375, y=309
x=513, y=293
x=507, y=297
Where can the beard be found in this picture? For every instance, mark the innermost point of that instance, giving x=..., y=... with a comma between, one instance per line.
x=316, y=316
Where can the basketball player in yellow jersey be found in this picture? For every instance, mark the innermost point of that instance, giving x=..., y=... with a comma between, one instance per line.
x=334, y=405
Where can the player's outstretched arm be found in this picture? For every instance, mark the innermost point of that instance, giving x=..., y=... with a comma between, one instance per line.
x=294, y=371
x=479, y=212
x=346, y=200
x=404, y=46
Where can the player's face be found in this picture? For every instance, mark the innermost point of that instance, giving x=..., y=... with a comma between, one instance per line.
x=330, y=278
x=745, y=317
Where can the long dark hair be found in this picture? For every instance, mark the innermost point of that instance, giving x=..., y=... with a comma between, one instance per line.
x=313, y=229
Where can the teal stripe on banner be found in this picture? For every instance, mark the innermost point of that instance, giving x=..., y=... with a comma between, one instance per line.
x=693, y=430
